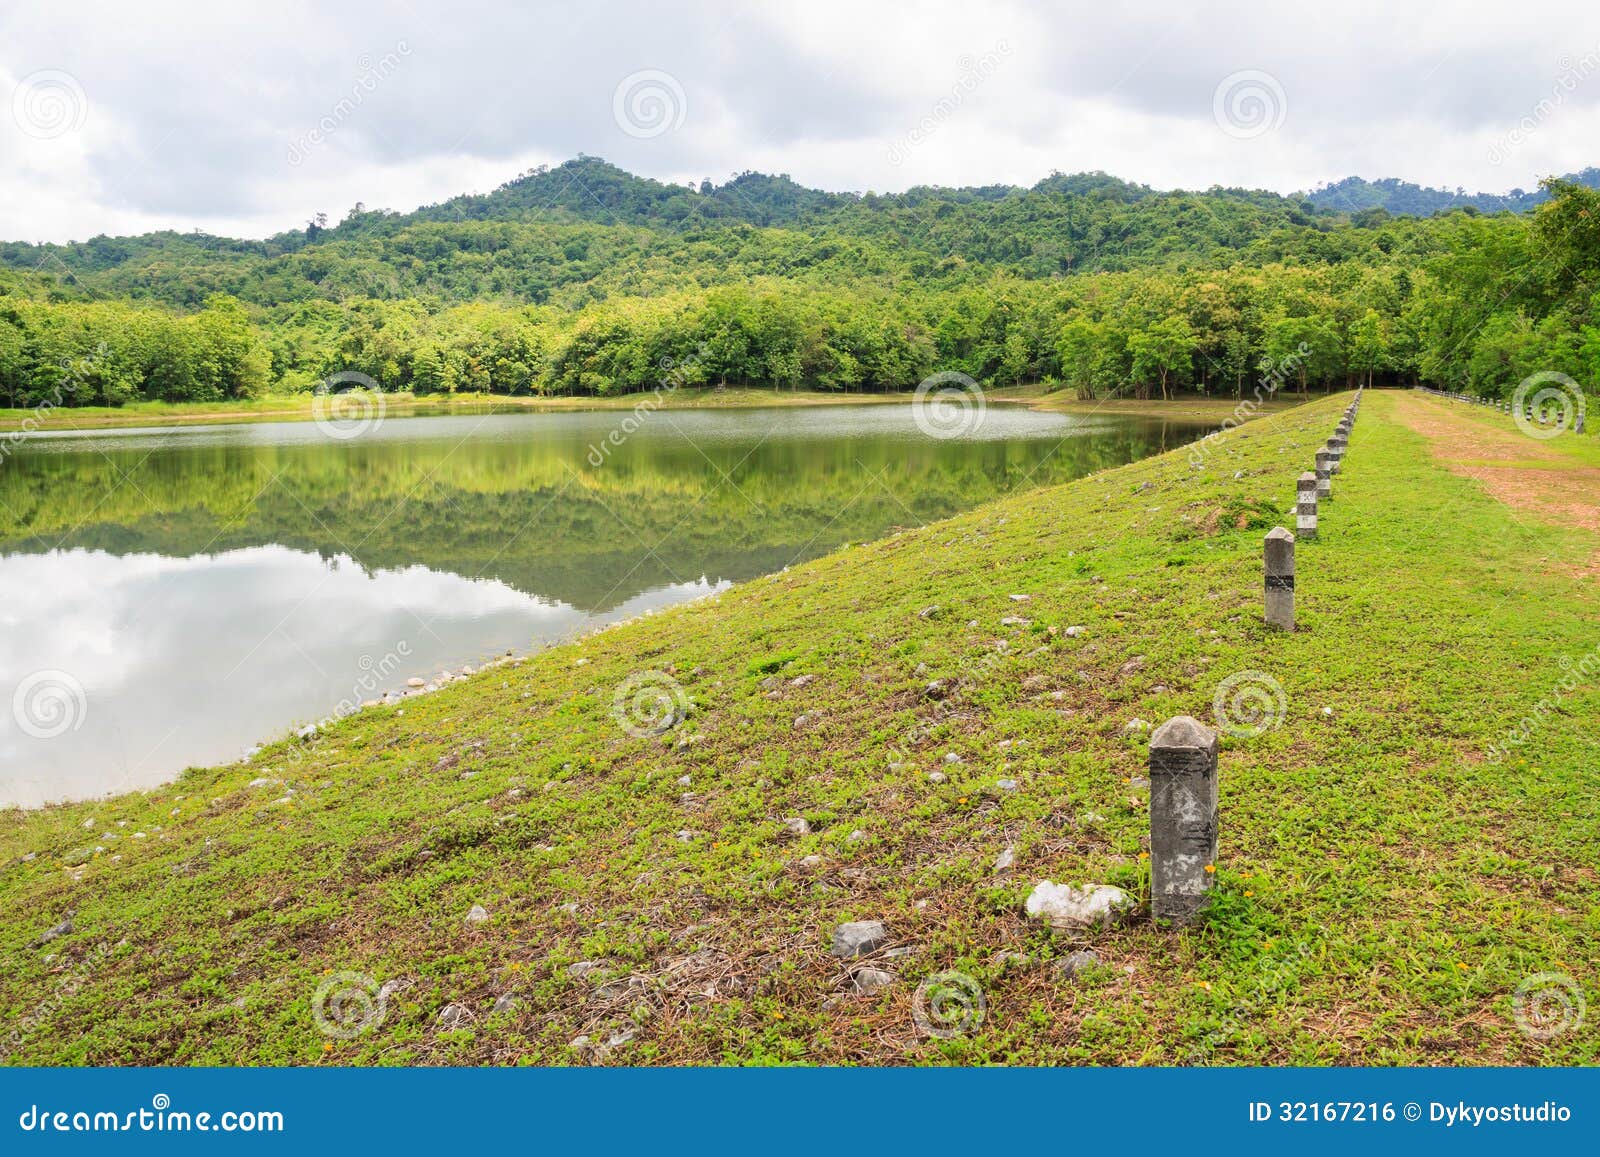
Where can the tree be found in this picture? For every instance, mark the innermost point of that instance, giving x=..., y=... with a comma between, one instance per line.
x=1164, y=353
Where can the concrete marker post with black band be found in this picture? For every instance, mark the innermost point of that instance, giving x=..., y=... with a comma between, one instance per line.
x=1305, y=508
x=1324, y=476
x=1278, y=560
x=1183, y=819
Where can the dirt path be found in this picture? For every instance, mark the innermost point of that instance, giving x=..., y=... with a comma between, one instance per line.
x=1524, y=473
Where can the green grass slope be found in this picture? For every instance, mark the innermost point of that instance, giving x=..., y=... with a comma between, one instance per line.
x=1384, y=885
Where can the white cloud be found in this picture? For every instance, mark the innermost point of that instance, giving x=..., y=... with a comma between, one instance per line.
x=246, y=118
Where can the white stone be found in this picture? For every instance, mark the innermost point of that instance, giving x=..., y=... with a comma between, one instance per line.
x=1068, y=908
x=478, y=914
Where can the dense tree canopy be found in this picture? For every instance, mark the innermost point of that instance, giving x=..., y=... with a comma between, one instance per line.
x=585, y=280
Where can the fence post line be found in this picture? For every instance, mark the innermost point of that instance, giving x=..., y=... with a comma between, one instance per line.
x=1183, y=818
x=1278, y=567
x=1324, y=476
x=1305, y=509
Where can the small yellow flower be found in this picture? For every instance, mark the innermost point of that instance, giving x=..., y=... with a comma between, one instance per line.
x=1461, y=966
x=777, y=1016
x=327, y=1047
x=1248, y=892
x=1211, y=868
x=1144, y=855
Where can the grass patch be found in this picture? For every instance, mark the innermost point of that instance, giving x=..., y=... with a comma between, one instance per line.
x=1385, y=884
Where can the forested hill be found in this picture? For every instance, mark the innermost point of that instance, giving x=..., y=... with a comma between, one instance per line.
x=584, y=279
x=587, y=229
x=1354, y=194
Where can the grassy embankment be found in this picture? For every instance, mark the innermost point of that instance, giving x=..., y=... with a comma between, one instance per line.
x=299, y=409
x=1383, y=886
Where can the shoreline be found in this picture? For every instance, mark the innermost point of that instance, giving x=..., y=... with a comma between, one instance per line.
x=151, y=415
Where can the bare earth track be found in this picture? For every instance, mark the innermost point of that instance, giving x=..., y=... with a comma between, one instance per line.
x=1524, y=473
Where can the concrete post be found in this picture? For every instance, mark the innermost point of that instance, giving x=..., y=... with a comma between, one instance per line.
x=1305, y=508
x=1335, y=454
x=1279, y=569
x=1183, y=818
x=1324, y=476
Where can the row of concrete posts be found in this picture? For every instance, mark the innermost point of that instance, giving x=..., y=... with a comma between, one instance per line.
x=1183, y=751
x=1539, y=416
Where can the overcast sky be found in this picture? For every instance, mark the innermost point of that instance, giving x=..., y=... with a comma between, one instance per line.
x=245, y=118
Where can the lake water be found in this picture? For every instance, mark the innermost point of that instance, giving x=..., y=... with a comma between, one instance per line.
x=169, y=598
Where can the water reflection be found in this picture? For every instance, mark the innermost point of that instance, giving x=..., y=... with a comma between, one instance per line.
x=208, y=588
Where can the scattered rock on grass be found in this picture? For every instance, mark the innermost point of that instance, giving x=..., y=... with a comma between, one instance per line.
x=453, y=1016
x=867, y=981
x=1075, y=963
x=1067, y=908
x=796, y=826
x=937, y=777
x=1004, y=860
x=477, y=914
x=506, y=1002
x=859, y=937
